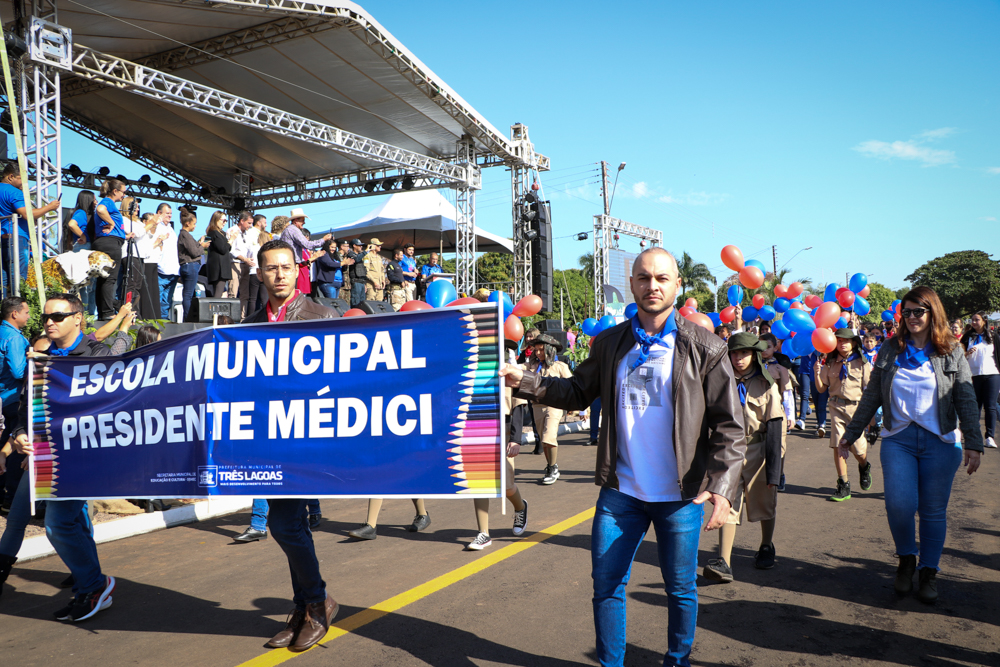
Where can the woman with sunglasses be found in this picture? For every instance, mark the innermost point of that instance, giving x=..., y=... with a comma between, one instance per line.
x=922, y=380
x=983, y=354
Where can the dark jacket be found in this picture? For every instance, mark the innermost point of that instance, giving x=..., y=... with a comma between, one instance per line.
x=302, y=308
x=709, y=440
x=328, y=270
x=956, y=398
x=86, y=348
x=188, y=250
x=220, y=262
x=394, y=272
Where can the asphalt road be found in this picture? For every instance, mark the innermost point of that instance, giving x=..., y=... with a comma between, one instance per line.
x=191, y=596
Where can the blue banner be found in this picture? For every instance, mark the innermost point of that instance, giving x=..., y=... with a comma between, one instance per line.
x=402, y=404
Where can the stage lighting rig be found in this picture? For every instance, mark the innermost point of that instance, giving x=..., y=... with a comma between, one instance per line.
x=388, y=184
x=370, y=186
x=123, y=179
x=75, y=171
x=162, y=187
x=103, y=171
x=206, y=192
x=408, y=182
x=16, y=46
x=145, y=178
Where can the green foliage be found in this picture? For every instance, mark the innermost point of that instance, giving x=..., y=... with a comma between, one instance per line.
x=580, y=351
x=495, y=267
x=704, y=297
x=879, y=298
x=694, y=275
x=587, y=265
x=966, y=281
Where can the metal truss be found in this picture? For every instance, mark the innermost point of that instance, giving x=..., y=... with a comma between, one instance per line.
x=242, y=182
x=366, y=183
x=162, y=87
x=606, y=232
x=465, y=223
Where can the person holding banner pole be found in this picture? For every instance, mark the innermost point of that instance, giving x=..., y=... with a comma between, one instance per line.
x=308, y=623
x=67, y=523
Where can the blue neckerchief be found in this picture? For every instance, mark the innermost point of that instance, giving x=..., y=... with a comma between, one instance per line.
x=911, y=358
x=870, y=356
x=63, y=352
x=646, y=342
x=742, y=387
x=843, y=366
x=977, y=341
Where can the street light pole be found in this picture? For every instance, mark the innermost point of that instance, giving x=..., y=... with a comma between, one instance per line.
x=793, y=257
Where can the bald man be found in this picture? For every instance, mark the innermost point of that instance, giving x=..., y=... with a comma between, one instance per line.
x=671, y=440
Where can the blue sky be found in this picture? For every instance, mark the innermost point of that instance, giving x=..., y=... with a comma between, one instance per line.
x=869, y=131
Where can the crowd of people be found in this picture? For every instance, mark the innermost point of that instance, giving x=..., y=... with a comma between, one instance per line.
x=688, y=417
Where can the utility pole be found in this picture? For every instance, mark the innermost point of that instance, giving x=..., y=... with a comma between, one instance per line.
x=774, y=256
x=604, y=188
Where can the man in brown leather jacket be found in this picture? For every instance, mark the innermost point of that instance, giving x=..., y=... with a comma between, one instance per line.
x=314, y=609
x=672, y=439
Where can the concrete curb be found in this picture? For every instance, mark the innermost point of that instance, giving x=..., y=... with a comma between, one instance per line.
x=138, y=524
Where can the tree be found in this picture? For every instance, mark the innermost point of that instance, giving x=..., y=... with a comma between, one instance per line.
x=879, y=298
x=694, y=275
x=495, y=268
x=587, y=265
x=704, y=297
x=966, y=281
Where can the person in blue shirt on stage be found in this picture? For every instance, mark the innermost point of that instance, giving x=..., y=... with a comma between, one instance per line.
x=409, y=266
x=109, y=237
x=14, y=316
x=11, y=202
x=427, y=272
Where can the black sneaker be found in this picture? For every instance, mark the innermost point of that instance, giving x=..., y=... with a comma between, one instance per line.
x=364, y=532
x=551, y=474
x=718, y=570
x=86, y=605
x=764, y=560
x=420, y=522
x=315, y=520
x=521, y=519
x=843, y=491
x=592, y=443
x=781, y=485
x=866, y=475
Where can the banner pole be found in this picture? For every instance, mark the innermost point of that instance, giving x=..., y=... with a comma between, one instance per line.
x=22, y=163
x=31, y=439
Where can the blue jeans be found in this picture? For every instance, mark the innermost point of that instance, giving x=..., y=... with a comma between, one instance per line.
x=620, y=524
x=595, y=418
x=189, y=281
x=805, y=390
x=357, y=293
x=68, y=528
x=290, y=529
x=918, y=470
x=167, y=286
x=258, y=515
x=820, y=399
x=17, y=519
x=329, y=290
x=987, y=387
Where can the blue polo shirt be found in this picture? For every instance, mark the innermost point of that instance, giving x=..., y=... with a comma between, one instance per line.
x=116, y=216
x=13, y=362
x=408, y=264
x=11, y=199
x=430, y=269
x=80, y=217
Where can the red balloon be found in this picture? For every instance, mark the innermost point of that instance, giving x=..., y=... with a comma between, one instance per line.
x=701, y=319
x=355, y=312
x=414, y=305
x=865, y=292
x=512, y=328
x=899, y=310
x=733, y=258
x=846, y=299
x=841, y=290
x=827, y=315
x=780, y=291
x=897, y=317
x=528, y=306
x=799, y=305
x=824, y=340
x=728, y=314
x=686, y=310
x=464, y=301
x=758, y=301
x=813, y=301
x=692, y=303
x=751, y=277
x=794, y=290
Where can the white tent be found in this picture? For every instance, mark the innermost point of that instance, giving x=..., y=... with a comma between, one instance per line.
x=424, y=218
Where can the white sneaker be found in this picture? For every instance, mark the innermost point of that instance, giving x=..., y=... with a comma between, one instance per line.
x=800, y=425
x=990, y=443
x=521, y=519
x=821, y=432
x=551, y=474
x=481, y=542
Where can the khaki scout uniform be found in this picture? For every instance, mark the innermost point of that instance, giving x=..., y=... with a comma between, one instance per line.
x=547, y=418
x=763, y=405
x=376, y=276
x=844, y=397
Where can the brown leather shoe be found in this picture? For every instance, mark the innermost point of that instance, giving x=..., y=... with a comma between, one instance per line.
x=286, y=636
x=317, y=621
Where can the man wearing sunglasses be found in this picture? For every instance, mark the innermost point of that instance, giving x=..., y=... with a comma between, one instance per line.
x=67, y=522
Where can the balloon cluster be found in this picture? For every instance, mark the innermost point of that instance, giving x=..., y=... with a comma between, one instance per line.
x=893, y=313
x=751, y=272
x=807, y=330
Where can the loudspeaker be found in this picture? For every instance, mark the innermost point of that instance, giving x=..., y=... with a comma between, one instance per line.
x=338, y=305
x=376, y=307
x=541, y=253
x=202, y=309
x=548, y=326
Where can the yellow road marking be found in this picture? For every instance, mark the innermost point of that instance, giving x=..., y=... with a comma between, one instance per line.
x=397, y=602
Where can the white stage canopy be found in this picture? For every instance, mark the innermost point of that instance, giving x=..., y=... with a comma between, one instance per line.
x=424, y=218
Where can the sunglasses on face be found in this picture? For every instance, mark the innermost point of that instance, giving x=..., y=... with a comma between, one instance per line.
x=56, y=317
x=914, y=312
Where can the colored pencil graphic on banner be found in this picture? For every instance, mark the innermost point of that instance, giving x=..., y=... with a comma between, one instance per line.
x=45, y=462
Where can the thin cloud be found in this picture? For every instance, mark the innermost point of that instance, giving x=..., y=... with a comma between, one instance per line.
x=989, y=218
x=993, y=170
x=912, y=149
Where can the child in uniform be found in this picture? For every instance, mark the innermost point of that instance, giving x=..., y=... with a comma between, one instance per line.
x=543, y=361
x=845, y=375
x=871, y=347
x=764, y=417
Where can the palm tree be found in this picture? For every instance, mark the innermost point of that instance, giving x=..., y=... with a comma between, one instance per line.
x=694, y=275
x=587, y=265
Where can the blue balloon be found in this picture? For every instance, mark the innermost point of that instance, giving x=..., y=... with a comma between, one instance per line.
x=750, y=314
x=887, y=316
x=735, y=295
x=590, y=326
x=782, y=304
x=861, y=306
x=631, y=310
x=767, y=313
x=758, y=264
x=830, y=294
x=716, y=320
x=841, y=324
x=894, y=304
x=804, y=346
x=857, y=282
x=606, y=322
x=799, y=321
x=441, y=293
x=780, y=331
x=496, y=295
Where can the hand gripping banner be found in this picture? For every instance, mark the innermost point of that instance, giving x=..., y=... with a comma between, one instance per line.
x=403, y=404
